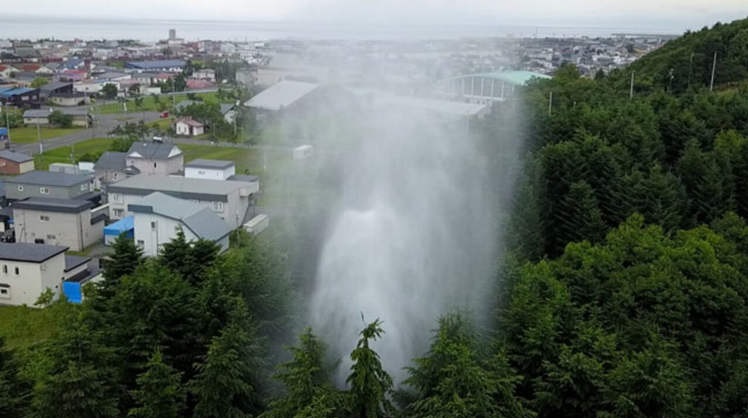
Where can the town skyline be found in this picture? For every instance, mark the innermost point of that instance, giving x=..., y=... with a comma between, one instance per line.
x=689, y=14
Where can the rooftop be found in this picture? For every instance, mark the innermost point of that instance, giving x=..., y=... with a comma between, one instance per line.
x=216, y=164
x=153, y=150
x=111, y=160
x=54, y=204
x=152, y=65
x=73, y=261
x=16, y=157
x=199, y=219
x=32, y=253
x=180, y=186
x=280, y=95
x=46, y=178
x=15, y=91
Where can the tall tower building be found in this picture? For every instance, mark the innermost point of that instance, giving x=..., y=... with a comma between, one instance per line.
x=172, y=34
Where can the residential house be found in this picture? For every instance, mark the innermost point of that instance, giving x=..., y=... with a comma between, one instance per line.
x=229, y=112
x=208, y=74
x=233, y=201
x=68, y=222
x=56, y=87
x=27, y=270
x=189, y=127
x=93, y=86
x=112, y=167
x=6, y=71
x=20, y=97
x=209, y=169
x=15, y=163
x=80, y=116
x=155, y=158
x=47, y=184
x=158, y=218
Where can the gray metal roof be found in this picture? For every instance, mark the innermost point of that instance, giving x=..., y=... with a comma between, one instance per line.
x=43, y=113
x=199, y=219
x=33, y=253
x=153, y=150
x=16, y=157
x=280, y=95
x=50, y=204
x=215, y=164
x=73, y=261
x=244, y=177
x=188, y=188
x=45, y=178
x=111, y=160
x=50, y=87
x=186, y=103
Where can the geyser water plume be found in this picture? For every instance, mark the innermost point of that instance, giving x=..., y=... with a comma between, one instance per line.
x=416, y=236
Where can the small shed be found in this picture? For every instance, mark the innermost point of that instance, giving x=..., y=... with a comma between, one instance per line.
x=125, y=226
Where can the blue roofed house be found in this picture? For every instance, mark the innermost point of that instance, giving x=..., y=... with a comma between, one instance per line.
x=158, y=217
x=19, y=97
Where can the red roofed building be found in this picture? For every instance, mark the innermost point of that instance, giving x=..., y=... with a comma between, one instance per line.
x=189, y=127
x=30, y=68
x=194, y=84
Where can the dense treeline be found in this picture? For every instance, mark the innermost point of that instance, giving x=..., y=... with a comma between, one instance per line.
x=686, y=62
x=623, y=293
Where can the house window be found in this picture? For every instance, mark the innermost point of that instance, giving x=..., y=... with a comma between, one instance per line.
x=5, y=269
x=218, y=206
x=18, y=271
x=84, y=187
x=51, y=237
x=154, y=165
x=44, y=218
x=20, y=187
x=141, y=243
x=118, y=213
x=44, y=190
x=4, y=291
x=153, y=224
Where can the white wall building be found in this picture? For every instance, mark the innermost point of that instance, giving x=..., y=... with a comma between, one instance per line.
x=27, y=270
x=231, y=200
x=209, y=169
x=158, y=218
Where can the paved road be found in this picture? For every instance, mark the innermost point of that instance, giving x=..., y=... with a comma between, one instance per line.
x=102, y=125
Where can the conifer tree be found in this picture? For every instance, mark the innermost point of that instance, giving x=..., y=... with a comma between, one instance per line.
x=370, y=384
x=159, y=393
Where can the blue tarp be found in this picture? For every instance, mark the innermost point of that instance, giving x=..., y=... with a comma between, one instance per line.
x=126, y=225
x=3, y=131
x=72, y=291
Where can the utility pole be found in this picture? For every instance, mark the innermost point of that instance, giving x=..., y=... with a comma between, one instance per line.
x=550, y=103
x=39, y=137
x=714, y=69
x=631, y=87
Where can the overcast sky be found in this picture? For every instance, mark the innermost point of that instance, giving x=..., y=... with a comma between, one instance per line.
x=686, y=13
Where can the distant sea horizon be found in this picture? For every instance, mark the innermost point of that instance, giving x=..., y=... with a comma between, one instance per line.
x=60, y=28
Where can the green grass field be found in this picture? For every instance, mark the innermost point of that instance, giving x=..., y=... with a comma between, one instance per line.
x=63, y=154
x=150, y=104
x=22, y=326
x=28, y=134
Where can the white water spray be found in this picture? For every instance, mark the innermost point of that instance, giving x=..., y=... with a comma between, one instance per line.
x=416, y=237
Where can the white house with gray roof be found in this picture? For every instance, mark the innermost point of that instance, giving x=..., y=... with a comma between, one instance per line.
x=209, y=169
x=231, y=200
x=27, y=270
x=47, y=184
x=158, y=218
x=155, y=158
x=111, y=167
